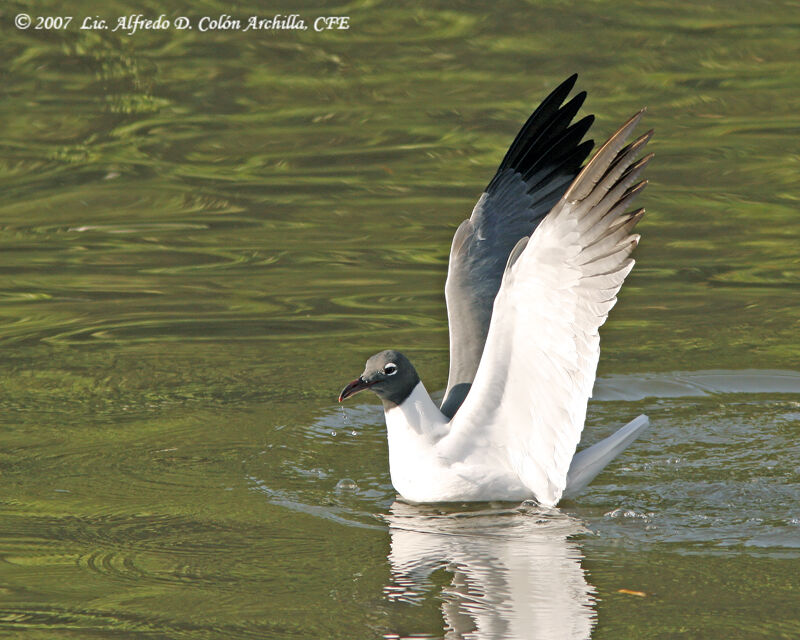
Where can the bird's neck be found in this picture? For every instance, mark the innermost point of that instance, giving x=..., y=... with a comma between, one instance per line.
x=416, y=415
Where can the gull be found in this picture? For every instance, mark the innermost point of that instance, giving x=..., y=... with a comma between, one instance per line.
x=533, y=273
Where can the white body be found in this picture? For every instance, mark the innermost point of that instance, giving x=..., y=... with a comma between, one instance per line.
x=426, y=467
x=429, y=464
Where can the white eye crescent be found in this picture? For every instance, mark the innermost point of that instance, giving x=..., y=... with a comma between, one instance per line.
x=390, y=369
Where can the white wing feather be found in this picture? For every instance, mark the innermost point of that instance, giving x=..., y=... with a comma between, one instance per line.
x=538, y=367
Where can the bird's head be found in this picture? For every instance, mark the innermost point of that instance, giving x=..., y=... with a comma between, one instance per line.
x=389, y=374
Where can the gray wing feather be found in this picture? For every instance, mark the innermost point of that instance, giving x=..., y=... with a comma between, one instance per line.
x=538, y=167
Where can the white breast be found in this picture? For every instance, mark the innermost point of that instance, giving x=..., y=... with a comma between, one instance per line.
x=424, y=471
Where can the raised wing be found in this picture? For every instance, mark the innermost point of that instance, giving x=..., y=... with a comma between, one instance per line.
x=541, y=162
x=534, y=381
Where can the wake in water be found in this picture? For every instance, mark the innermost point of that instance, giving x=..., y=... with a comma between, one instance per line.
x=719, y=440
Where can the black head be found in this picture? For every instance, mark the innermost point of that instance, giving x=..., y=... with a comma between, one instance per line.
x=389, y=374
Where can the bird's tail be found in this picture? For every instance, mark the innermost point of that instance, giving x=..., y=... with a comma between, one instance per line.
x=588, y=463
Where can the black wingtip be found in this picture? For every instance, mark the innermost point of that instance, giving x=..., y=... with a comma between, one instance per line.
x=560, y=93
x=533, y=144
x=567, y=86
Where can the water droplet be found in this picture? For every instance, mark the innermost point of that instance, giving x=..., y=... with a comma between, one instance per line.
x=620, y=512
x=346, y=484
x=346, y=420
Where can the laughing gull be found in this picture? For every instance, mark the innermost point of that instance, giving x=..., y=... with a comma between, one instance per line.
x=533, y=274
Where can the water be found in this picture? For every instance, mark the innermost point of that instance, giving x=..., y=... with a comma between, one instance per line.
x=205, y=235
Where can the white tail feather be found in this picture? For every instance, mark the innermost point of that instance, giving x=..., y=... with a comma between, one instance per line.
x=591, y=461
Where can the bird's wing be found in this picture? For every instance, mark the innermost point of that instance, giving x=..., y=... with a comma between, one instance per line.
x=544, y=158
x=530, y=393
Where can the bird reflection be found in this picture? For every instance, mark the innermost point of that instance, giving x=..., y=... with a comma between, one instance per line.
x=515, y=572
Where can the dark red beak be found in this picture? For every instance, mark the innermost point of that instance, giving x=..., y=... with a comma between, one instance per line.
x=354, y=387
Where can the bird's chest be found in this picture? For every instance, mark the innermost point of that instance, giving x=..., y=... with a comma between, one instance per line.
x=422, y=473
x=418, y=471
x=426, y=467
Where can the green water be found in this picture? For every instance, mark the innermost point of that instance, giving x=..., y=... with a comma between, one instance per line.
x=204, y=235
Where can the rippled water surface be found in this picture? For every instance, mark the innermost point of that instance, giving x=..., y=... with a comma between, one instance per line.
x=204, y=235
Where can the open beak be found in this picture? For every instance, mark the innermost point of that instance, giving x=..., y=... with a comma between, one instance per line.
x=354, y=387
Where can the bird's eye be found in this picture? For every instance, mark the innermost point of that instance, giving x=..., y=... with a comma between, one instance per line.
x=390, y=369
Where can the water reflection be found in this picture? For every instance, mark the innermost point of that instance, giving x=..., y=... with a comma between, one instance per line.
x=513, y=572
